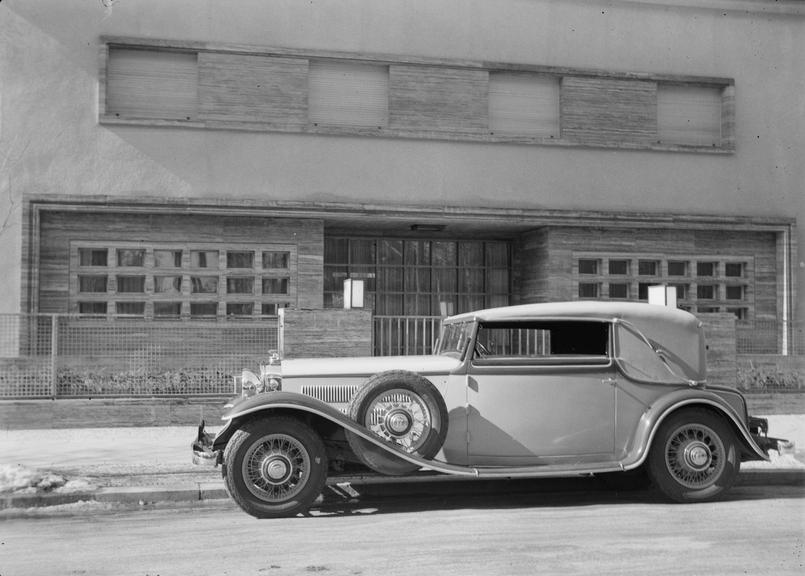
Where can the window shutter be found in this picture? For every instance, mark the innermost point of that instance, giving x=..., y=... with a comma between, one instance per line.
x=689, y=114
x=523, y=104
x=348, y=94
x=151, y=84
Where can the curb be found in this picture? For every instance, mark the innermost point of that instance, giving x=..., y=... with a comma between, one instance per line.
x=206, y=491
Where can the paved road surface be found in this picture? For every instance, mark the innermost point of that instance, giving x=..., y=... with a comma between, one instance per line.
x=759, y=530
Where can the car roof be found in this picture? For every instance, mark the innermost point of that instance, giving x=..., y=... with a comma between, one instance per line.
x=681, y=333
x=584, y=309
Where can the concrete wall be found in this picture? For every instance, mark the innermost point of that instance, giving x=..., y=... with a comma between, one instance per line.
x=52, y=144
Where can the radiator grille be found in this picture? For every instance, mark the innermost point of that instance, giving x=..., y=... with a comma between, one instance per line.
x=330, y=394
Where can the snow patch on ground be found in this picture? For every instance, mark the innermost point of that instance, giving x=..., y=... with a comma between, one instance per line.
x=19, y=479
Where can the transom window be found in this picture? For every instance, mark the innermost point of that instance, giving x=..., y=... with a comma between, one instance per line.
x=181, y=282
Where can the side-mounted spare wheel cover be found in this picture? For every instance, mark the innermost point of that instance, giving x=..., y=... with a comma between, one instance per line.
x=403, y=409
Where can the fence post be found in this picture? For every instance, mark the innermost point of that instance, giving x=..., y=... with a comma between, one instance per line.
x=54, y=349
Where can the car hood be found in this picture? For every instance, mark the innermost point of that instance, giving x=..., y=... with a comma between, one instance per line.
x=366, y=366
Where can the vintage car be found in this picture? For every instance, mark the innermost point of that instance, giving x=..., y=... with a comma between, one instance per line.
x=540, y=390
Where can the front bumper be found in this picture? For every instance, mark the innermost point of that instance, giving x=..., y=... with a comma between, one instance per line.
x=203, y=452
x=759, y=428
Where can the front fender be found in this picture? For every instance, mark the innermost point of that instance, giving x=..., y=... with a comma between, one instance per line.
x=687, y=398
x=293, y=402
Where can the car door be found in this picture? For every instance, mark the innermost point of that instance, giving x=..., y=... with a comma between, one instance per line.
x=541, y=392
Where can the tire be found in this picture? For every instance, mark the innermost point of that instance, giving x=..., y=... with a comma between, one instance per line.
x=694, y=456
x=275, y=467
x=404, y=409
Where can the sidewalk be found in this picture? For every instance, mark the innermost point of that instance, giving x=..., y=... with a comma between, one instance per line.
x=139, y=466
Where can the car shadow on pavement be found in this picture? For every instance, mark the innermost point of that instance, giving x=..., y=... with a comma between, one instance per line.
x=392, y=499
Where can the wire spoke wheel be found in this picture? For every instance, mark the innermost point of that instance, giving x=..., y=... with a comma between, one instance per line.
x=400, y=417
x=694, y=455
x=276, y=468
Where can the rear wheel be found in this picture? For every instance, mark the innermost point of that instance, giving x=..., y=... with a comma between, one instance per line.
x=694, y=456
x=405, y=410
x=275, y=467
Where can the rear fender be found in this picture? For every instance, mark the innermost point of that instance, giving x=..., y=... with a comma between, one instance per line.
x=682, y=399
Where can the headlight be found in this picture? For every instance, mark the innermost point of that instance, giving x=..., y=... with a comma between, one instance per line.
x=271, y=373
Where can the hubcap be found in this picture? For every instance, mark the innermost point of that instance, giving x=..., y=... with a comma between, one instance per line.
x=401, y=417
x=695, y=456
x=398, y=422
x=276, y=467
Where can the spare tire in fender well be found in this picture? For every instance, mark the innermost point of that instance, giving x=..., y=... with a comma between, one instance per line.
x=406, y=410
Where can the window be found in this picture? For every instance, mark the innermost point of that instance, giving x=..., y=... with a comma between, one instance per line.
x=239, y=309
x=204, y=284
x=619, y=291
x=642, y=290
x=272, y=309
x=239, y=259
x=682, y=291
x=677, y=268
x=151, y=84
x=240, y=285
x=276, y=260
x=92, y=307
x=131, y=257
x=735, y=292
x=130, y=284
x=689, y=114
x=203, y=309
x=553, y=341
x=619, y=267
x=348, y=94
x=167, y=258
x=130, y=308
x=204, y=259
x=167, y=309
x=734, y=269
x=588, y=266
x=588, y=290
x=275, y=285
x=168, y=284
x=522, y=103
x=706, y=292
x=706, y=269
x=92, y=257
x=647, y=267
x=92, y=284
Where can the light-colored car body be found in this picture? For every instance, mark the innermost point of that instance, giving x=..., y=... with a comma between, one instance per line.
x=530, y=391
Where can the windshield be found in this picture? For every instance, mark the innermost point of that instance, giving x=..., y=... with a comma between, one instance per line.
x=454, y=338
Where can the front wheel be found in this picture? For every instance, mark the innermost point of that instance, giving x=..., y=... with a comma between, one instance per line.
x=275, y=467
x=694, y=456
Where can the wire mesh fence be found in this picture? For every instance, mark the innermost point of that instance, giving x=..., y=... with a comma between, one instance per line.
x=65, y=356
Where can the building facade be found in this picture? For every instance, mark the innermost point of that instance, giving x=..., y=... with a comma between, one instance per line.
x=192, y=160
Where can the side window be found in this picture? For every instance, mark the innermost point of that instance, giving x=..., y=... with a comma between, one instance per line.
x=560, y=342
